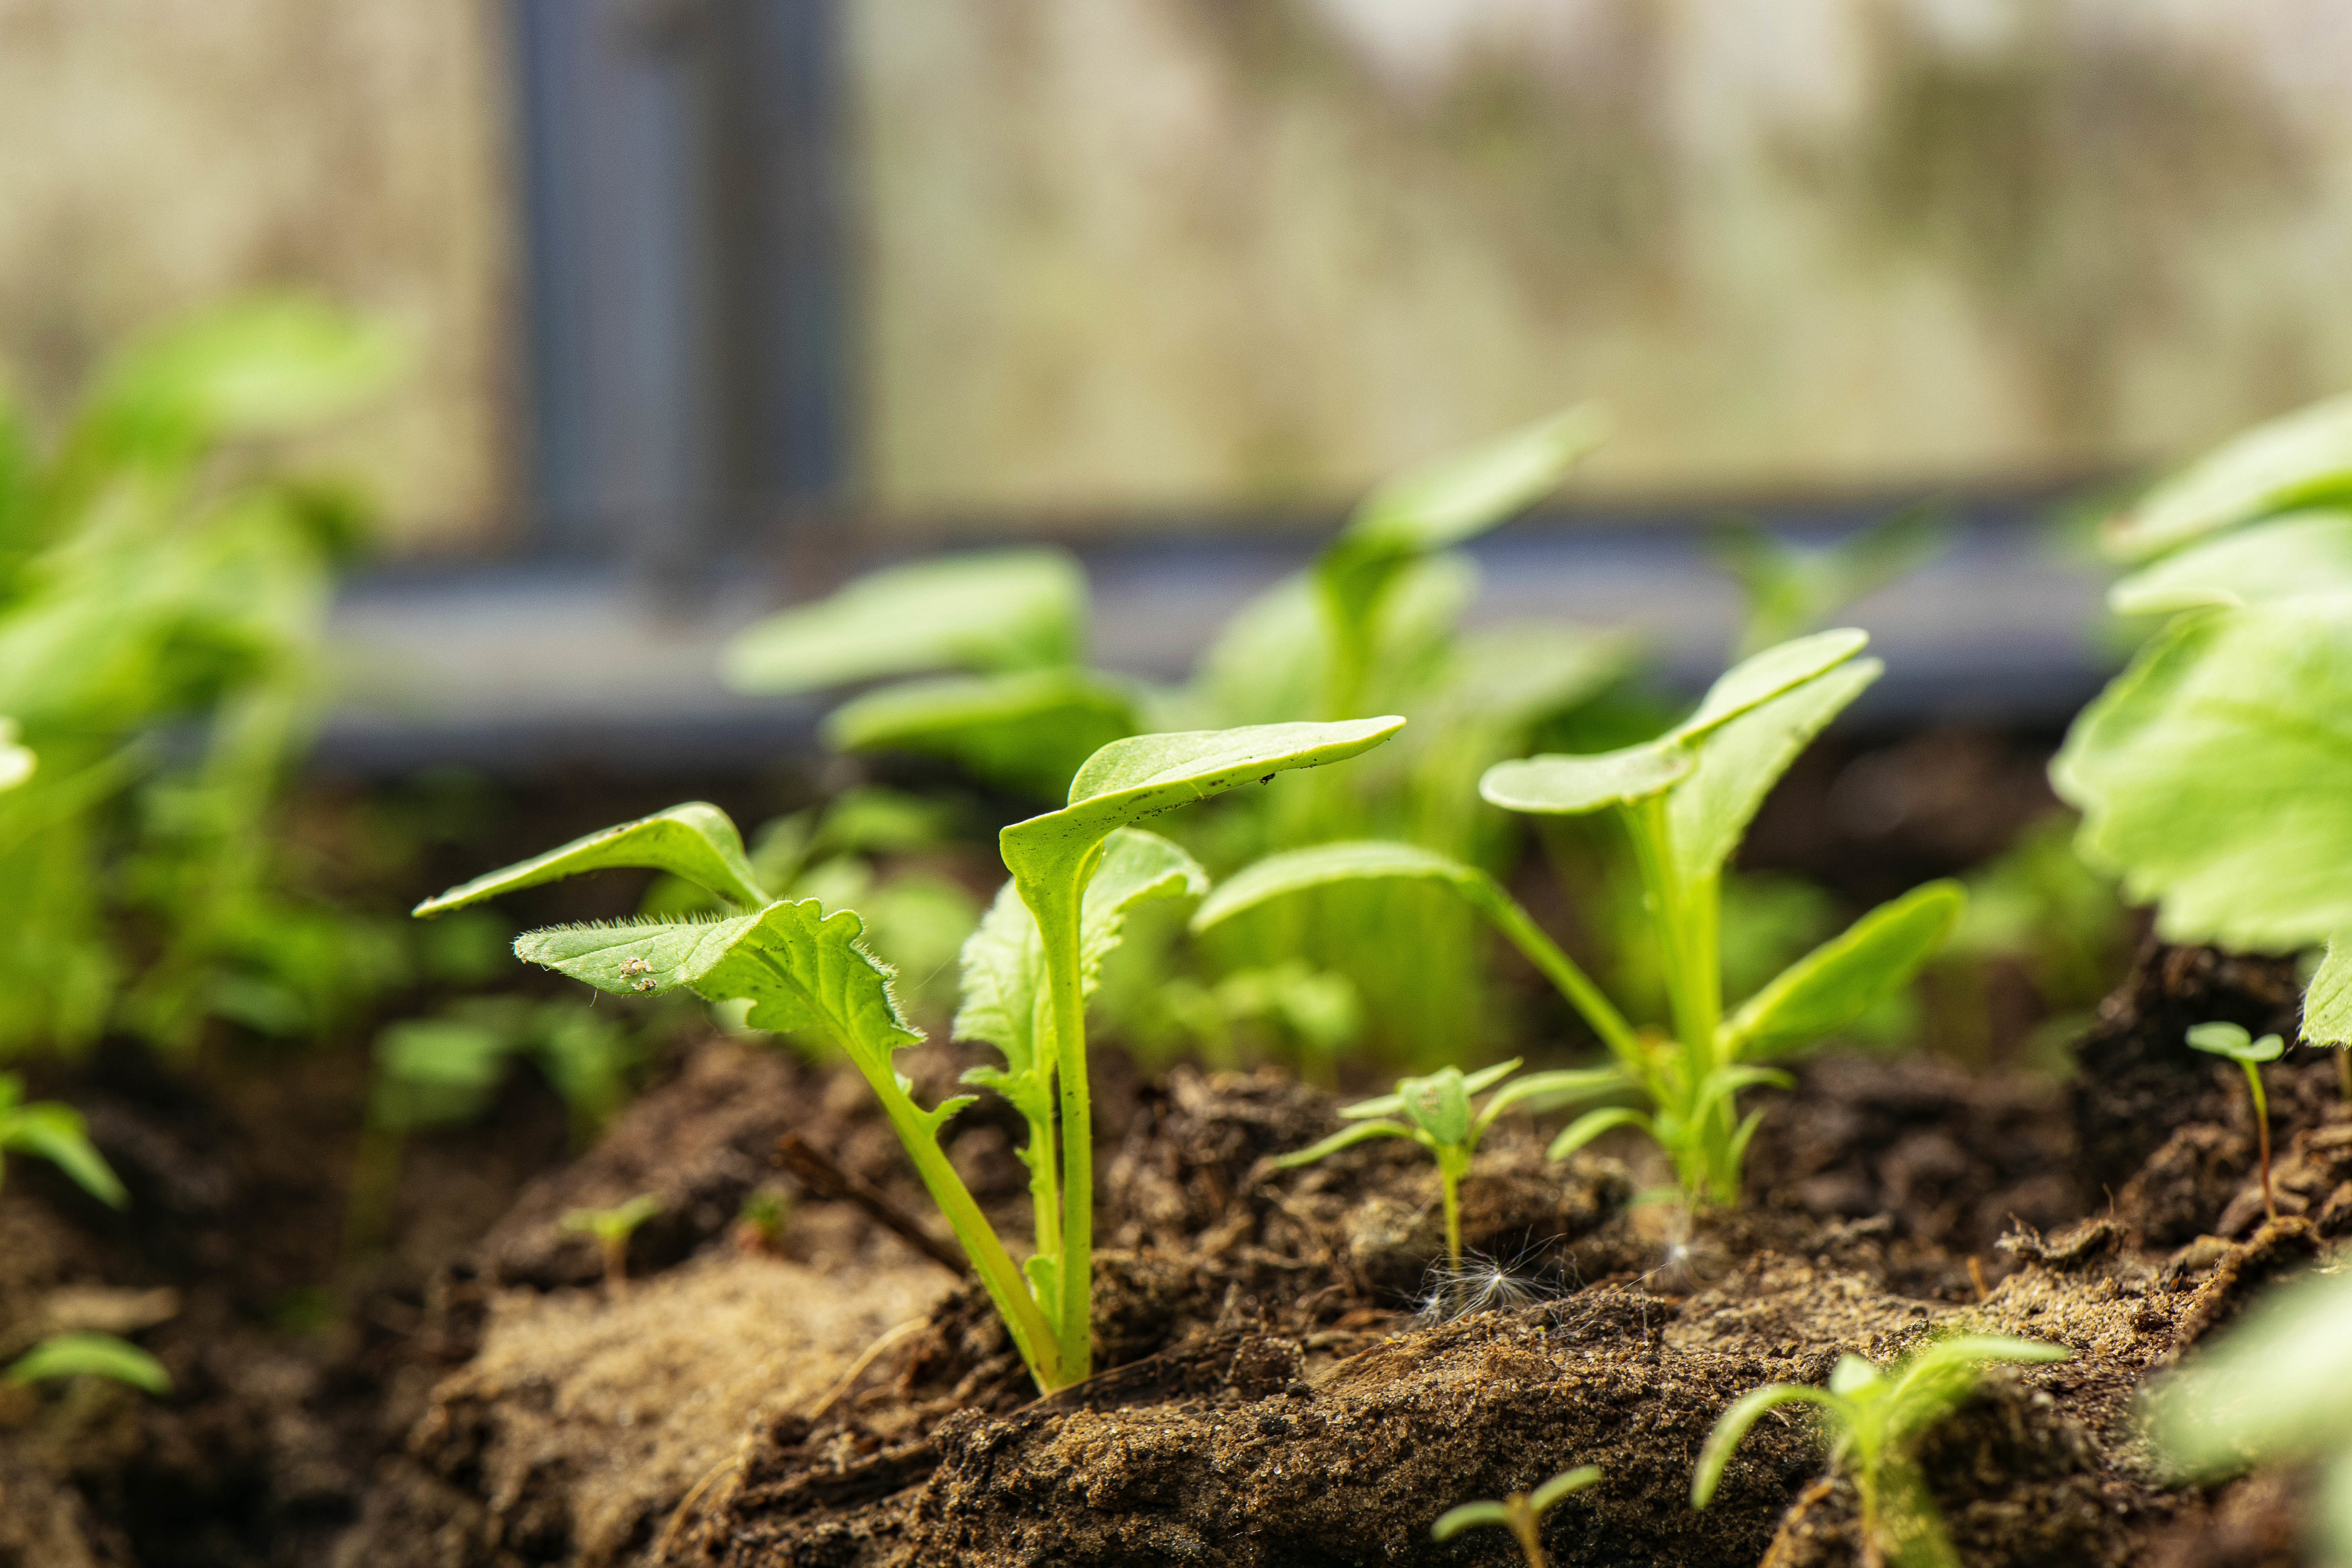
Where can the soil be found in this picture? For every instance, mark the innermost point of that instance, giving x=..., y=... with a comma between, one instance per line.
x=1284, y=1380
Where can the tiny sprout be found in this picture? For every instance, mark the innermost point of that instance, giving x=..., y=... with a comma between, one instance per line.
x=55, y=1132
x=1436, y=1114
x=2229, y=1040
x=1521, y=1513
x=759, y=1223
x=1874, y=1418
x=90, y=1356
x=612, y=1228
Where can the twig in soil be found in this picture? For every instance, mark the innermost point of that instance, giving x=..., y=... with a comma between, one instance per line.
x=866, y=1359
x=824, y=1179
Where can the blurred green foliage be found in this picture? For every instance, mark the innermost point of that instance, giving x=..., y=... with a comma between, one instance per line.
x=163, y=584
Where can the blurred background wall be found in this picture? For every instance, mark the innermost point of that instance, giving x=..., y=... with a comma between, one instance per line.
x=1105, y=261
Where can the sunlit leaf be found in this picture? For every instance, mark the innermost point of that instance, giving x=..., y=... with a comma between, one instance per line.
x=1005, y=610
x=1845, y=977
x=91, y=1356
x=2271, y=1388
x=1759, y=678
x=1739, y=763
x=2328, y=1004
x=1565, y=785
x=2297, y=460
x=2286, y=557
x=695, y=841
x=2215, y=774
x=1029, y=730
x=1322, y=865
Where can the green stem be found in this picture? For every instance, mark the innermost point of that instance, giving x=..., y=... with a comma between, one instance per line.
x=1525, y=1529
x=1513, y=920
x=1032, y=1334
x=1057, y=912
x=1451, y=1165
x=2262, y=1133
x=1045, y=1190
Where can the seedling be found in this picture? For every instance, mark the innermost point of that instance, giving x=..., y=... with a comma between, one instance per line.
x=759, y=1223
x=612, y=1228
x=1874, y=1418
x=91, y=1356
x=1793, y=588
x=1435, y=1112
x=2210, y=773
x=1521, y=1513
x=56, y=1132
x=1685, y=799
x=2270, y=1391
x=2233, y=1042
x=1373, y=625
x=1074, y=874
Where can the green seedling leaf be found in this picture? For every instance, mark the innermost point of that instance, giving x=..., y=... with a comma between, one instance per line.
x=695, y=841
x=1345, y=1138
x=1740, y=760
x=1005, y=610
x=1348, y=860
x=1468, y=1516
x=2287, y=557
x=1562, y=785
x=1030, y=729
x=1004, y=986
x=1845, y=977
x=1756, y=680
x=801, y=968
x=1735, y=1425
x=2327, y=1005
x=1143, y=775
x=2215, y=776
x=91, y=1356
x=2232, y=1041
x=1592, y=1124
x=616, y=1224
x=55, y=1132
x=2297, y=460
x=1431, y=509
x=1439, y=1105
x=1792, y=588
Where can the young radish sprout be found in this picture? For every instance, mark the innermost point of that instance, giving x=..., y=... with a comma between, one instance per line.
x=1435, y=1112
x=55, y=1132
x=1074, y=872
x=1685, y=799
x=2233, y=1042
x=1521, y=1513
x=1874, y=1417
x=612, y=1228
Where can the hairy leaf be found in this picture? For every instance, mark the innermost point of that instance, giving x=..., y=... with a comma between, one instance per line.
x=1564, y=786
x=2215, y=774
x=1015, y=609
x=2327, y=1005
x=1005, y=997
x=1740, y=761
x=1845, y=977
x=1030, y=729
x=695, y=841
x=2304, y=457
x=91, y=1356
x=2286, y=557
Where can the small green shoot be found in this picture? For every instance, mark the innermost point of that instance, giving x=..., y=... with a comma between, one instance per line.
x=612, y=1228
x=2270, y=1391
x=1521, y=1513
x=1074, y=873
x=1874, y=1417
x=1792, y=589
x=759, y=1223
x=2231, y=1041
x=1436, y=1113
x=91, y=1356
x=54, y=1131
x=1685, y=799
